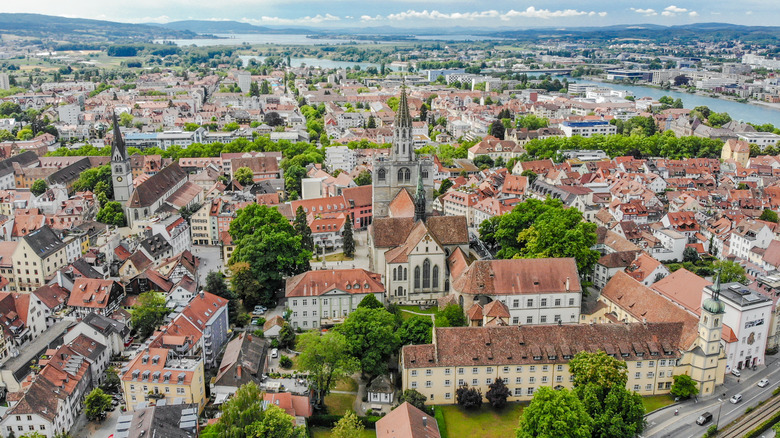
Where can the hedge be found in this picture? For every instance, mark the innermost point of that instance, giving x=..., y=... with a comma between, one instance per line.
x=763, y=426
x=439, y=416
x=330, y=420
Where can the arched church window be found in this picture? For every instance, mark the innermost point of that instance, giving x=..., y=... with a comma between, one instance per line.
x=394, y=273
x=381, y=174
x=416, y=277
x=407, y=175
x=436, y=277
x=405, y=272
x=425, y=173
x=426, y=274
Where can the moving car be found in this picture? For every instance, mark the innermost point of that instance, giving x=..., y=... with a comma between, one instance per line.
x=736, y=372
x=763, y=382
x=736, y=398
x=704, y=419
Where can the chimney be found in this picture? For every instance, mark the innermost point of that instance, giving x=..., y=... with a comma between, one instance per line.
x=425, y=421
x=567, y=284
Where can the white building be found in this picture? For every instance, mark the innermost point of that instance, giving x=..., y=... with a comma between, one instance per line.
x=748, y=235
x=69, y=114
x=340, y=157
x=588, y=129
x=320, y=298
x=762, y=139
x=244, y=81
x=176, y=231
x=4, y=82
x=536, y=291
x=748, y=314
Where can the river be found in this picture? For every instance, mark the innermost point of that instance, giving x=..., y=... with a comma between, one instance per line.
x=746, y=112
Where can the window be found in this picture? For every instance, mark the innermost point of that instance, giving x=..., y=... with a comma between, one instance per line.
x=532, y=380
x=650, y=375
x=488, y=381
x=295, y=302
x=474, y=382
x=461, y=371
x=530, y=302
x=543, y=302
x=447, y=395
x=529, y=319
x=557, y=302
x=557, y=318
x=461, y=382
x=637, y=375
x=529, y=391
x=506, y=369
x=416, y=277
x=515, y=303
x=519, y=369
x=559, y=379
x=543, y=319
x=544, y=379
x=429, y=372
x=639, y=364
x=571, y=301
x=532, y=368
x=405, y=274
x=636, y=387
x=518, y=380
x=651, y=363
x=515, y=320
x=447, y=371
x=426, y=283
x=662, y=362
x=545, y=368
x=427, y=383
x=414, y=384
x=382, y=175
x=559, y=368
x=414, y=373
x=447, y=382
x=475, y=370
x=436, y=277
x=518, y=392
x=489, y=370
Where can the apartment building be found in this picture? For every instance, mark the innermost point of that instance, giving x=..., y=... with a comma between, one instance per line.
x=37, y=257
x=588, y=129
x=159, y=373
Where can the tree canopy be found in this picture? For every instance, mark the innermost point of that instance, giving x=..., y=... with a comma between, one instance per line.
x=598, y=368
x=327, y=360
x=148, y=313
x=371, y=338
x=416, y=330
x=554, y=413
x=96, y=403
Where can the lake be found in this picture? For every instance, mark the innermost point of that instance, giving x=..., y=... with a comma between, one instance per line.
x=262, y=38
x=746, y=112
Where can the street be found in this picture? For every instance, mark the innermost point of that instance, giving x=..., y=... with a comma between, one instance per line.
x=663, y=423
x=210, y=260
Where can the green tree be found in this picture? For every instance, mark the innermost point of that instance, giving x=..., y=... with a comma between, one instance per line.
x=371, y=338
x=598, y=368
x=216, y=284
x=716, y=120
x=768, y=215
x=487, y=232
x=363, y=178
x=443, y=187
x=265, y=87
x=254, y=89
x=730, y=271
x=112, y=214
x=148, y=313
x=301, y=225
x=286, y=336
x=230, y=127
x=690, y=255
x=496, y=129
x=498, y=393
x=684, y=386
x=269, y=244
x=240, y=411
x=370, y=302
x=530, y=174
x=349, y=426
x=554, y=413
x=414, y=398
x=451, y=316
x=532, y=122
x=111, y=382
x=246, y=287
x=276, y=423
x=96, y=403
x=469, y=398
x=416, y=330
x=349, y=239
x=616, y=412
x=190, y=127
x=126, y=120
x=483, y=162
x=39, y=187
x=326, y=359
x=292, y=178
x=244, y=176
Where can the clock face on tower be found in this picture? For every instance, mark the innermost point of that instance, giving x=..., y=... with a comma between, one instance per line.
x=119, y=179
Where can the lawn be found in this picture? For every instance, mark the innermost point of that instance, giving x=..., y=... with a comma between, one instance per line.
x=347, y=384
x=484, y=422
x=338, y=257
x=653, y=402
x=406, y=309
x=324, y=432
x=339, y=404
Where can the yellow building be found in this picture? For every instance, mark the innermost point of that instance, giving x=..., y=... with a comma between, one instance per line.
x=37, y=258
x=158, y=373
x=737, y=150
x=527, y=357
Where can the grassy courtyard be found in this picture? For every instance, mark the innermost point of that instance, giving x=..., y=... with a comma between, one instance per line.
x=406, y=311
x=324, y=432
x=339, y=404
x=484, y=422
x=653, y=402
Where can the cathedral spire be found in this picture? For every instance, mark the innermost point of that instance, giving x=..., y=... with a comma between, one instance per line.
x=419, y=197
x=118, y=150
x=402, y=118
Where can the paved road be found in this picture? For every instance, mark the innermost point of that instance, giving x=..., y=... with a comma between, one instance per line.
x=663, y=424
x=88, y=429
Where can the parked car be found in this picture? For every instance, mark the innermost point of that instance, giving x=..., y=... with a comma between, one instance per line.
x=274, y=353
x=259, y=310
x=704, y=419
x=763, y=382
x=736, y=398
x=736, y=373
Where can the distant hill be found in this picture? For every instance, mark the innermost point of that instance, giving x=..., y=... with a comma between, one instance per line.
x=229, y=27
x=82, y=30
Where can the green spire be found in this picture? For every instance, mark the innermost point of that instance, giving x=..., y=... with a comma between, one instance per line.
x=716, y=286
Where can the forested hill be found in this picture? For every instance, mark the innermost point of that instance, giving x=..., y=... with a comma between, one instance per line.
x=82, y=30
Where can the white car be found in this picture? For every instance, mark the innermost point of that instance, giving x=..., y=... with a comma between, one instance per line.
x=763, y=382
x=736, y=398
x=736, y=372
x=274, y=353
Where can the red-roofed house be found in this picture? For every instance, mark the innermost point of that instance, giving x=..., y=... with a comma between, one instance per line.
x=90, y=295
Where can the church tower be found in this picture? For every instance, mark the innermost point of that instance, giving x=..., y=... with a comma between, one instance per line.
x=121, y=175
x=709, y=351
x=402, y=170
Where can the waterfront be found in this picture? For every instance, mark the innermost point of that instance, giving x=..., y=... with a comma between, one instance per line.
x=746, y=112
x=315, y=62
x=262, y=38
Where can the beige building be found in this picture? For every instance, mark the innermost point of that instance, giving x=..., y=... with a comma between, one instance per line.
x=160, y=373
x=528, y=357
x=37, y=258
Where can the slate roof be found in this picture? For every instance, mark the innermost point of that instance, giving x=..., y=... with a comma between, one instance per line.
x=247, y=352
x=44, y=241
x=151, y=190
x=447, y=230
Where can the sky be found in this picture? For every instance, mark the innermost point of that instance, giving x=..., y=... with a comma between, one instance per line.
x=413, y=14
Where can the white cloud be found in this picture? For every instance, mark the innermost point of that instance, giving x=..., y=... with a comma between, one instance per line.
x=693, y=14
x=530, y=12
x=290, y=21
x=749, y=13
x=646, y=12
x=673, y=11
